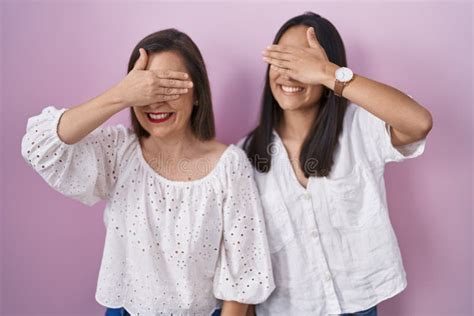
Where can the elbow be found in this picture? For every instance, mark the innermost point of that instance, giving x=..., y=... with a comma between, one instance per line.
x=425, y=124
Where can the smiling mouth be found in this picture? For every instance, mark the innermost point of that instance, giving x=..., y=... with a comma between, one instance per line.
x=159, y=117
x=291, y=90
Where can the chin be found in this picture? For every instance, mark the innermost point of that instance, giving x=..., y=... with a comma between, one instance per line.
x=158, y=132
x=291, y=105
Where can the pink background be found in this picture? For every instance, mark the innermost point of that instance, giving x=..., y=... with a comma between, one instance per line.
x=65, y=53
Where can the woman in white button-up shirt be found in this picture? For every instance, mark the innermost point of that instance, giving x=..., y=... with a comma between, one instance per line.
x=319, y=162
x=184, y=222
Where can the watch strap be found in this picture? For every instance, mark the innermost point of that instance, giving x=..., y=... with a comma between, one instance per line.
x=338, y=87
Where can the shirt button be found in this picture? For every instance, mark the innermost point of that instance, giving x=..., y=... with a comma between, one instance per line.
x=328, y=276
x=307, y=196
x=314, y=234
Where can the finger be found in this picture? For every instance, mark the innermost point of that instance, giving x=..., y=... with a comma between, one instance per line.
x=281, y=48
x=170, y=74
x=311, y=37
x=281, y=71
x=166, y=97
x=288, y=73
x=171, y=91
x=142, y=60
x=277, y=62
x=278, y=55
x=174, y=83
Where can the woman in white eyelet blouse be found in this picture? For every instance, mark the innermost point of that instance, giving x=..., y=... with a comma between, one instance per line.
x=319, y=162
x=175, y=244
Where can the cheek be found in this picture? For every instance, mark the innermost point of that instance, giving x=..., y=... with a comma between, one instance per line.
x=183, y=101
x=142, y=119
x=315, y=93
x=272, y=76
x=183, y=107
x=139, y=115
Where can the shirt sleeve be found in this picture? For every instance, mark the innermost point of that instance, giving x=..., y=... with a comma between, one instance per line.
x=244, y=272
x=86, y=170
x=377, y=136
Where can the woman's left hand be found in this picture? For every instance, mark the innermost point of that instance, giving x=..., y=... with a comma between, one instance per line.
x=303, y=64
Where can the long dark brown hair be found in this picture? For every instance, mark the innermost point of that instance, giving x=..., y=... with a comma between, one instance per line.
x=202, y=117
x=316, y=157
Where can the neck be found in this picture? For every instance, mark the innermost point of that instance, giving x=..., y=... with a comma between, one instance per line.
x=296, y=125
x=171, y=147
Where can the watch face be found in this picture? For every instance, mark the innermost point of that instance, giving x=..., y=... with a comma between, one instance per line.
x=344, y=74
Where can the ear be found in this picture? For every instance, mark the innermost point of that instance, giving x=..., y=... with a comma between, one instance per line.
x=311, y=37
x=142, y=61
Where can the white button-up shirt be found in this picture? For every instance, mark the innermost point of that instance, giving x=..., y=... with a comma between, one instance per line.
x=333, y=247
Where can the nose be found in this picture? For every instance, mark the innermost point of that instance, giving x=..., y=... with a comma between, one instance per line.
x=287, y=81
x=155, y=106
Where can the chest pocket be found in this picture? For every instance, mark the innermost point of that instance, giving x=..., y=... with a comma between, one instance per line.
x=280, y=230
x=353, y=200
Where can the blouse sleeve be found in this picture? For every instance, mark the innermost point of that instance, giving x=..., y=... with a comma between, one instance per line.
x=86, y=170
x=377, y=136
x=244, y=272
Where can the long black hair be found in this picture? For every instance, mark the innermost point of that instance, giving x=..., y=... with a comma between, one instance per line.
x=316, y=157
x=202, y=117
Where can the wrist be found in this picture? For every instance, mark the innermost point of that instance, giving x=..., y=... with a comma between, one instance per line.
x=114, y=99
x=329, y=75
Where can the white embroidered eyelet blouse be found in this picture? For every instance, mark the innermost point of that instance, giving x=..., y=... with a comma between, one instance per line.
x=333, y=247
x=172, y=247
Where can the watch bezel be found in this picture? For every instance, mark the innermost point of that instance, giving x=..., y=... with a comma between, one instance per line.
x=344, y=70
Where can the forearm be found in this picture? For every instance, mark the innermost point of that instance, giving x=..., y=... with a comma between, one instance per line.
x=394, y=107
x=78, y=121
x=231, y=308
x=251, y=310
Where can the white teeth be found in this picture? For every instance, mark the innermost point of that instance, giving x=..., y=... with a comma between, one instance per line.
x=159, y=116
x=291, y=89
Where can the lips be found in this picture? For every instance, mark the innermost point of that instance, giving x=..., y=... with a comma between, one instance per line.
x=159, y=117
x=291, y=90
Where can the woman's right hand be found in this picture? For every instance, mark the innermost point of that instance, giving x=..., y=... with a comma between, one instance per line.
x=143, y=87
